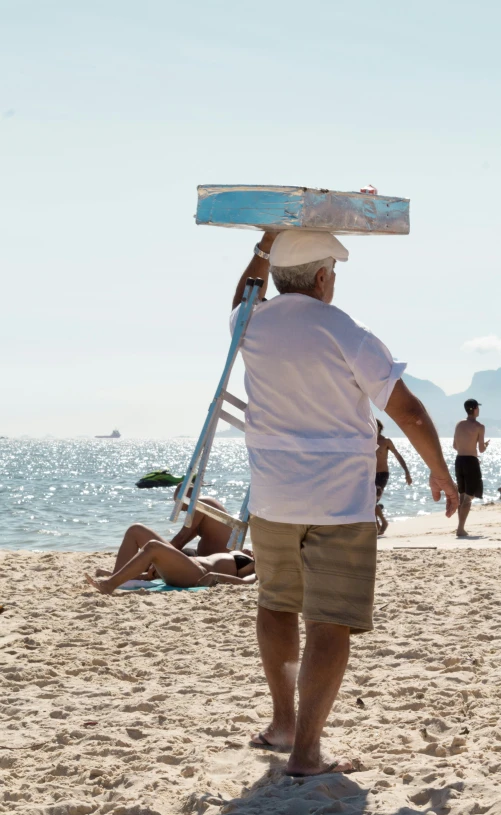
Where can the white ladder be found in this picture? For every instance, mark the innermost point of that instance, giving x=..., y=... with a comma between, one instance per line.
x=216, y=411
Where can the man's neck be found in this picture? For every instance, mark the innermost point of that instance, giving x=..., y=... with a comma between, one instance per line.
x=471, y=418
x=314, y=294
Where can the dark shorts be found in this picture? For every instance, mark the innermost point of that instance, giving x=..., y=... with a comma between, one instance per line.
x=242, y=560
x=469, y=476
x=382, y=480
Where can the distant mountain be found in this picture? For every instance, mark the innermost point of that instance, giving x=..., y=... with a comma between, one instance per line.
x=231, y=433
x=486, y=385
x=427, y=389
x=446, y=411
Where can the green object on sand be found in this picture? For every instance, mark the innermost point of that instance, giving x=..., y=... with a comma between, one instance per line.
x=159, y=478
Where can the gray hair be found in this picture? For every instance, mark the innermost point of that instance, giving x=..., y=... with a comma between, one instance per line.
x=298, y=278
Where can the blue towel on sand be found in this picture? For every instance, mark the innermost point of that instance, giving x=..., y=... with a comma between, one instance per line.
x=155, y=585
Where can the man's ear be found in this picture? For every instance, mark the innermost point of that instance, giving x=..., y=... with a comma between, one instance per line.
x=320, y=278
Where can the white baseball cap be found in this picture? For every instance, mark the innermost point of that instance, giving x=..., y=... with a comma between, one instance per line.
x=295, y=246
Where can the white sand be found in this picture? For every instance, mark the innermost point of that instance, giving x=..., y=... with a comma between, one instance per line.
x=142, y=704
x=483, y=526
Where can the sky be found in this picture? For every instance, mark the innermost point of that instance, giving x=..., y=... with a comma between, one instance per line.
x=115, y=304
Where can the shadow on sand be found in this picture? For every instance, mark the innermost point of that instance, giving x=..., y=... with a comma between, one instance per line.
x=276, y=793
x=355, y=794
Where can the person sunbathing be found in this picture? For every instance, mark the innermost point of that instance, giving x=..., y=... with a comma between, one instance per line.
x=177, y=569
x=213, y=538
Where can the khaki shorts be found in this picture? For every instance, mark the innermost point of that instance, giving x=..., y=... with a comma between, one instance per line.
x=325, y=572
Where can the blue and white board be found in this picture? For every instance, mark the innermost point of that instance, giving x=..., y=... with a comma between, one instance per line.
x=348, y=213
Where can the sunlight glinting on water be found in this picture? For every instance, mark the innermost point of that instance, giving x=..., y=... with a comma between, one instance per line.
x=80, y=495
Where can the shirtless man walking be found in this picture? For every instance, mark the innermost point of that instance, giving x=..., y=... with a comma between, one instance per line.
x=382, y=473
x=468, y=436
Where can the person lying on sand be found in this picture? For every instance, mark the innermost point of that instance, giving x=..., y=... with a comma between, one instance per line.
x=177, y=569
x=213, y=535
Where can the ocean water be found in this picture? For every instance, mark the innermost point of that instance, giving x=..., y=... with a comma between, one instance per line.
x=79, y=495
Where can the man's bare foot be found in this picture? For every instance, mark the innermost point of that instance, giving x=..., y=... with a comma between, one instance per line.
x=101, y=585
x=461, y=533
x=103, y=573
x=273, y=739
x=301, y=769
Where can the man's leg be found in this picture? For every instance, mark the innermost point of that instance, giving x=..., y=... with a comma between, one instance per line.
x=278, y=637
x=381, y=521
x=463, y=512
x=339, y=576
x=322, y=669
x=279, y=567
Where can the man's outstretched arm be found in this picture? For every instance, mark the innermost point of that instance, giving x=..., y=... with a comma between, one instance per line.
x=482, y=443
x=401, y=461
x=258, y=267
x=411, y=416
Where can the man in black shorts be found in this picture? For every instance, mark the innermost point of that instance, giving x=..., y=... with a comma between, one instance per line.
x=384, y=447
x=469, y=435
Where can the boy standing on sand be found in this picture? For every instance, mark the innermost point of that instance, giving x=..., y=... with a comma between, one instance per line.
x=382, y=473
x=469, y=435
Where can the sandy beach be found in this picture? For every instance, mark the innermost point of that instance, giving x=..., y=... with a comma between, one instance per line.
x=142, y=704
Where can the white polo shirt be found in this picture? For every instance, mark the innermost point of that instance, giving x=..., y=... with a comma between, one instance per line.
x=310, y=371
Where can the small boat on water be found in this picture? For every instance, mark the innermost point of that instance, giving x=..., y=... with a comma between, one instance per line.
x=115, y=435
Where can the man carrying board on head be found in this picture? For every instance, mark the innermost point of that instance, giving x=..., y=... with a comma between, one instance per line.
x=468, y=436
x=310, y=370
